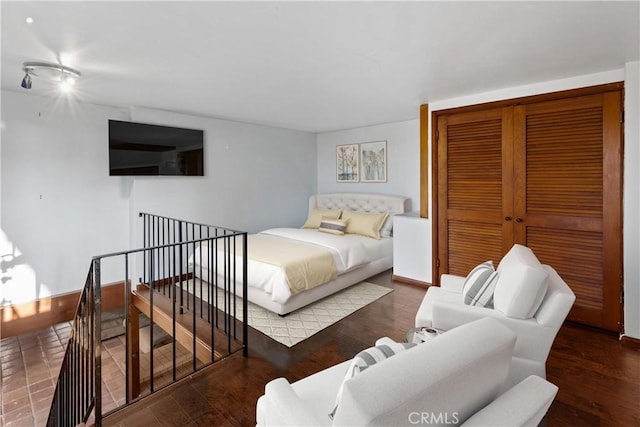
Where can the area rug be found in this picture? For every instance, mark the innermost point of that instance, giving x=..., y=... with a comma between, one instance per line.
x=307, y=321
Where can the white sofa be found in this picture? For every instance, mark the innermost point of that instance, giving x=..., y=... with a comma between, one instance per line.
x=454, y=379
x=522, y=282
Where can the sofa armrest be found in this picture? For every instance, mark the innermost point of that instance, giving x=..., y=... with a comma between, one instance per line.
x=525, y=404
x=534, y=340
x=452, y=283
x=447, y=315
x=282, y=406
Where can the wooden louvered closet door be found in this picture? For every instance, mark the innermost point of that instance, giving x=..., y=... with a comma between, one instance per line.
x=471, y=168
x=546, y=175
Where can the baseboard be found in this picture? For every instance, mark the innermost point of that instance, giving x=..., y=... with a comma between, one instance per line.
x=35, y=315
x=630, y=341
x=409, y=281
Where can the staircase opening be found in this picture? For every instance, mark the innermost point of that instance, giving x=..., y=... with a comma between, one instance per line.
x=175, y=320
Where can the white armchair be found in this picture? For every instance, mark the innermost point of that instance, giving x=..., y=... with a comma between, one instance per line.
x=444, y=308
x=454, y=379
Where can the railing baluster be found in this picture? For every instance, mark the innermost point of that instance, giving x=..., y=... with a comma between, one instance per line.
x=194, y=358
x=245, y=305
x=97, y=343
x=151, y=292
x=127, y=323
x=173, y=318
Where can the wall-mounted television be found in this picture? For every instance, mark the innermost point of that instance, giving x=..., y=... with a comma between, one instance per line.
x=145, y=149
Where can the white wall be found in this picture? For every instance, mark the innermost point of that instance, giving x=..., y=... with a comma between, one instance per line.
x=59, y=206
x=256, y=177
x=403, y=158
x=631, y=199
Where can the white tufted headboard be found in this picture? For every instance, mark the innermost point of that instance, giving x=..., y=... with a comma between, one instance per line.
x=361, y=202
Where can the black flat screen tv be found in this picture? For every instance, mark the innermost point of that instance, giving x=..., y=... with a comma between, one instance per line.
x=144, y=149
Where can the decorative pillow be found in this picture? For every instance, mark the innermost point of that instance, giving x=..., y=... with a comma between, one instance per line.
x=367, y=358
x=365, y=224
x=316, y=215
x=387, y=227
x=333, y=226
x=520, y=290
x=475, y=290
x=522, y=284
x=482, y=296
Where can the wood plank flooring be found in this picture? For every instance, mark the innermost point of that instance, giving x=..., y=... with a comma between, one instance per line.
x=599, y=378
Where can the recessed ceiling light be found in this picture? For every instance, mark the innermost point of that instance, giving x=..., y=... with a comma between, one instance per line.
x=29, y=20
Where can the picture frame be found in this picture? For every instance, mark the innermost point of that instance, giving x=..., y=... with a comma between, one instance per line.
x=347, y=163
x=373, y=161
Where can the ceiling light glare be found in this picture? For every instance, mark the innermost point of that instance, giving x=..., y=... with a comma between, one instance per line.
x=65, y=87
x=68, y=79
x=66, y=82
x=29, y=20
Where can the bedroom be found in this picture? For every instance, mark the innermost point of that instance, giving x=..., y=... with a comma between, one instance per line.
x=55, y=188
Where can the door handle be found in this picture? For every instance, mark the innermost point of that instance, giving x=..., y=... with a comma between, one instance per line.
x=507, y=218
x=519, y=219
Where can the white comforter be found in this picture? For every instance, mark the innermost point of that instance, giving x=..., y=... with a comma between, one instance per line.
x=349, y=252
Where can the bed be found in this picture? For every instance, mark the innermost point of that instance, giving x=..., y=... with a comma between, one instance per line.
x=355, y=255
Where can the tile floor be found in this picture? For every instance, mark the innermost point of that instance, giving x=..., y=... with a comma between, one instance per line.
x=29, y=369
x=30, y=363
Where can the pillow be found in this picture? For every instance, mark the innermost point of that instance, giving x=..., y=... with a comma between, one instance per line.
x=333, y=226
x=477, y=289
x=387, y=227
x=520, y=290
x=369, y=357
x=519, y=254
x=522, y=284
x=482, y=295
x=365, y=224
x=316, y=215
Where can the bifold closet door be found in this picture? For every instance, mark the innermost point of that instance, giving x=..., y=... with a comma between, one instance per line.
x=567, y=194
x=474, y=159
x=546, y=175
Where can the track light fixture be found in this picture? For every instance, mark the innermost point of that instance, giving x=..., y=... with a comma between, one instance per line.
x=58, y=73
x=26, y=81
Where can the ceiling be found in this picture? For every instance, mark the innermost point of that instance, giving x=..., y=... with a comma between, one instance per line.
x=312, y=66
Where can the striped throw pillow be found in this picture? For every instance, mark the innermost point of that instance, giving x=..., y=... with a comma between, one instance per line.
x=474, y=291
x=367, y=358
x=333, y=226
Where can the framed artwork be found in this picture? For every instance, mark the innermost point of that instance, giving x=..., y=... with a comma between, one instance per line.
x=373, y=163
x=347, y=163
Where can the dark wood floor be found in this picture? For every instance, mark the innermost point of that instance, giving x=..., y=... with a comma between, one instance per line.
x=599, y=379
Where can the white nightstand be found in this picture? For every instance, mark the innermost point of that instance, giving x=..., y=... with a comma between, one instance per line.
x=412, y=248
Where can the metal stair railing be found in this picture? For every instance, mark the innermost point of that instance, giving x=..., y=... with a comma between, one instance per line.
x=167, y=268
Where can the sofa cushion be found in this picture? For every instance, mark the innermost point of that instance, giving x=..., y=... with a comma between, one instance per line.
x=461, y=371
x=424, y=316
x=474, y=291
x=518, y=254
x=482, y=294
x=521, y=285
x=369, y=357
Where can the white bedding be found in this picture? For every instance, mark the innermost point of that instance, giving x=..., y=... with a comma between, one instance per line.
x=349, y=252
